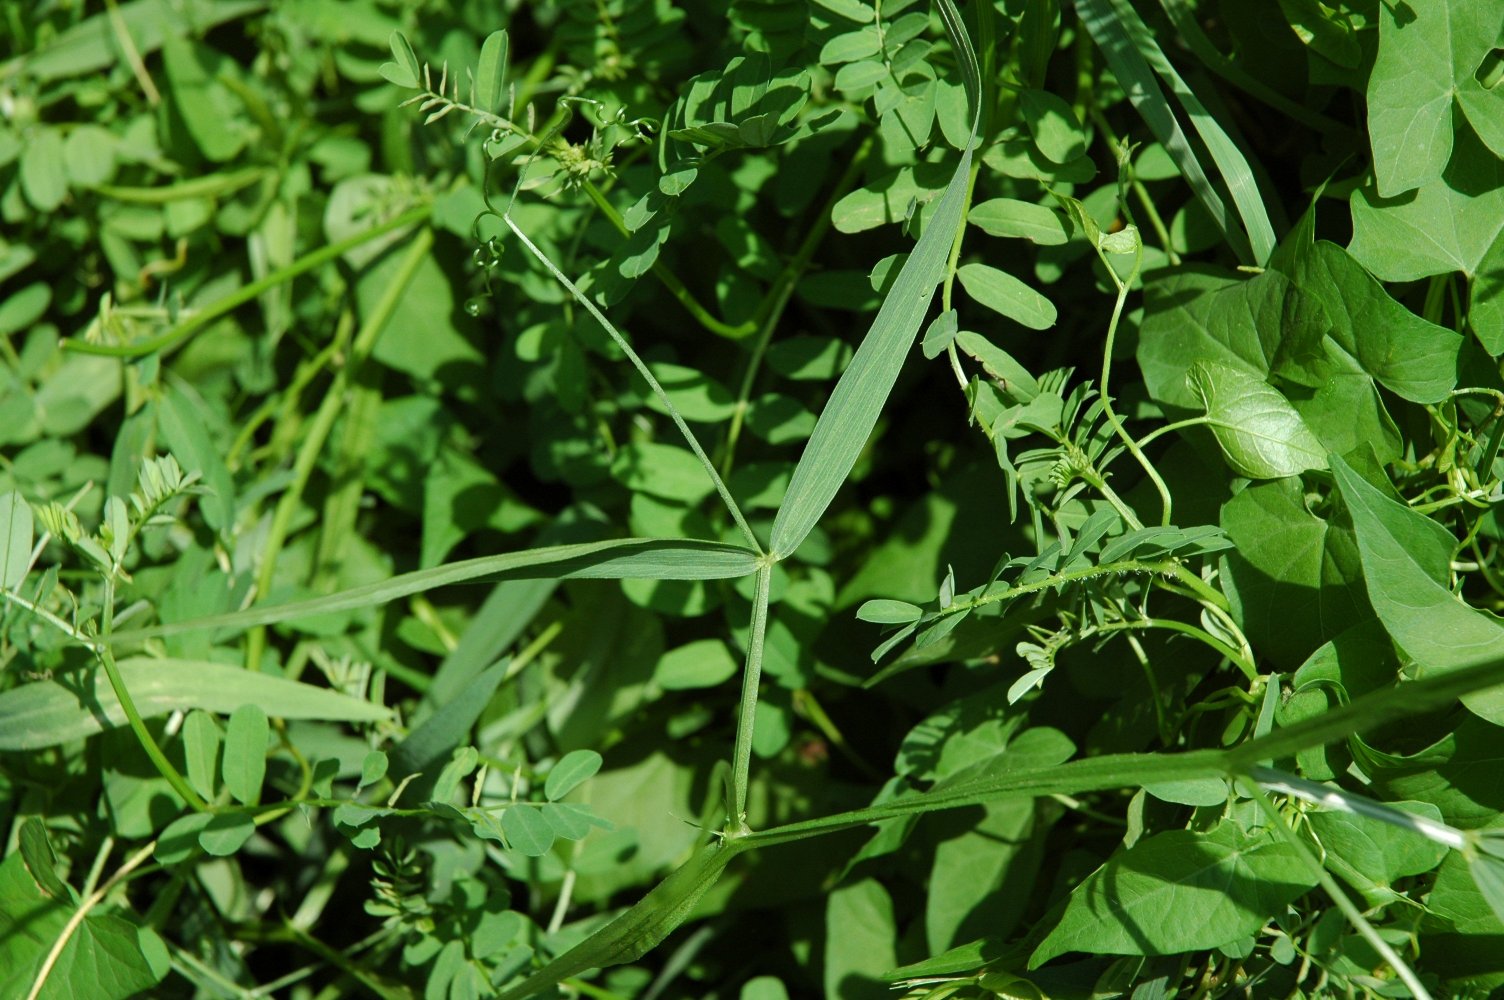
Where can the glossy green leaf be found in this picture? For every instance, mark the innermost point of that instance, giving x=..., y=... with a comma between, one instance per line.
x=1447, y=224
x=1371, y=855
x=491, y=73
x=1426, y=620
x=1426, y=64
x=1261, y=434
x=48, y=713
x=1178, y=891
x=244, y=763
x=1003, y=293
x=185, y=427
x=1294, y=578
x=1410, y=357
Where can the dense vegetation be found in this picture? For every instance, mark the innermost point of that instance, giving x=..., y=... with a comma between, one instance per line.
x=751, y=498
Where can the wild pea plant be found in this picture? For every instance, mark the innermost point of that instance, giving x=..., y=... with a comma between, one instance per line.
x=1179, y=612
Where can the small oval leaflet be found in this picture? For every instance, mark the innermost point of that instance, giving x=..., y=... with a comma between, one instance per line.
x=572, y=770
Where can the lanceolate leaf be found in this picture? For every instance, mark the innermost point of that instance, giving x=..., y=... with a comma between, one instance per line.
x=51, y=712
x=849, y=416
x=491, y=73
x=620, y=559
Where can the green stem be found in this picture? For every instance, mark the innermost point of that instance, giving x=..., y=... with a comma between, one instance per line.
x=1164, y=567
x=128, y=705
x=670, y=280
x=1178, y=425
x=741, y=761
x=169, y=339
x=647, y=375
x=1183, y=628
x=1107, y=410
x=1346, y=905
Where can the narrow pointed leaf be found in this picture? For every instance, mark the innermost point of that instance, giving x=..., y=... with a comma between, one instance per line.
x=848, y=418
x=618, y=559
x=48, y=713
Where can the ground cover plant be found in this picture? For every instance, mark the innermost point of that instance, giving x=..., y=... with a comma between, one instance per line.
x=751, y=499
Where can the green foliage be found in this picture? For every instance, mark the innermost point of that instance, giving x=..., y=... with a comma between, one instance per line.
x=474, y=520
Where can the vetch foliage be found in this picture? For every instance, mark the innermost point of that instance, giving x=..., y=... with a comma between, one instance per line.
x=474, y=520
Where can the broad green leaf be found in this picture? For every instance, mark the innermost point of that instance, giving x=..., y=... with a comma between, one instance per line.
x=764, y=987
x=647, y=558
x=491, y=73
x=1003, y=293
x=1135, y=57
x=700, y=664
x=695, y=395
x=244, y=763
x=1022, y=219
x=201, y=739
x=48, y=713
x=1261, y=434
x=1427, y=621
x=979, y=882
x=1447, y=224
x=1370, y=854
x=851, y=46
x=854, y=10
x=226, y=833
x=1267, y=324
x=527, y=831
x=860, y=941
x=852, y=410
x=1427, y=61
x=860, y=75
x=1052, y=122
x=939, y=334
x=373, y=768
x=573, y=769
x=23, y=308
x=1294, y=579
x=1178, y=891
x=16, y=530
x=1410, y=357
x=1485, y=314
